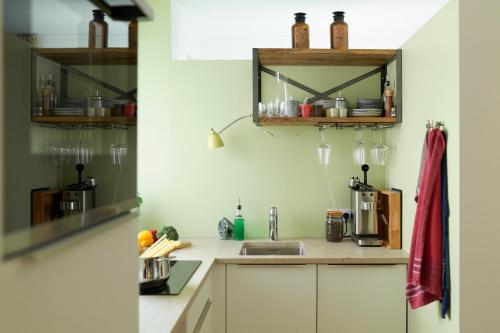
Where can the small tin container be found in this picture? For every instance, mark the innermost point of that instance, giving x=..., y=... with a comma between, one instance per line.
x=341, y=103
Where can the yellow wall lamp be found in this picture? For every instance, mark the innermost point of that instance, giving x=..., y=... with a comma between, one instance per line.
x=214, y=139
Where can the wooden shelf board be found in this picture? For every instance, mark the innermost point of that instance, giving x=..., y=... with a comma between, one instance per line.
x=314, y=121
x=86, y=56
x=325, y=57
x=81, y=120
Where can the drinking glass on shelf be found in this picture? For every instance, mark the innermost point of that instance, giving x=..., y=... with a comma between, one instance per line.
x=324, y=149
x=270, y=109
x=57, y=149
x=84, y=152
x=262, y=110
x=119, y=149
x=281, y=96
x=359, y=147
x=378, y=151
x=324, y=153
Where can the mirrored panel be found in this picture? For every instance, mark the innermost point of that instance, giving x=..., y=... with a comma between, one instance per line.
x=70, y=115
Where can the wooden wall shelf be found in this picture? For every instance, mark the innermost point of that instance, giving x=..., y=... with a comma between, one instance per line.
x=324, y=57
x=317, y=121
x=86, y=56
x=378, y=58
x=83, y=120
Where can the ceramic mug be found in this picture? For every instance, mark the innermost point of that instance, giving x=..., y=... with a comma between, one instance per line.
x=333, y=112
x=129, y=110
x=343, y=112
x=306, y=110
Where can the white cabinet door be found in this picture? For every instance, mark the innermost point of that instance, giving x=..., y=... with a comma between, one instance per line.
x=361, y=298
x=271, y=298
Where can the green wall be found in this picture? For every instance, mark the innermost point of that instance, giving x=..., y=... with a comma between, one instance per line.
x=186, y=185
x=430, y=92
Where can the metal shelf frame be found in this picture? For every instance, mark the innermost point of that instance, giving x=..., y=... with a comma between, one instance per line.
x=258, y=69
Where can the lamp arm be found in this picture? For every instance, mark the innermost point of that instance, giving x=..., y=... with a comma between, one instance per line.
x=233, y=122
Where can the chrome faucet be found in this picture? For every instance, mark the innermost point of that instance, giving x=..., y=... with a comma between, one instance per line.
x=273, y=224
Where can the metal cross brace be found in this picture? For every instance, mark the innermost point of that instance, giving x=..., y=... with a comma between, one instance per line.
x=121, y=93
x=323, y=95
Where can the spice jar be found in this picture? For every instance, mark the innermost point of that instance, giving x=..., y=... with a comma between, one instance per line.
x=388, y=93
x=300, y=32
x=94, y=106
x=98, y=31
x=334, y=228
x=340, y=102
x=339, y=32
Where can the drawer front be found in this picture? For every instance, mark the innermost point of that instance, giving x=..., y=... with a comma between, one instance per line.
x=196, y=310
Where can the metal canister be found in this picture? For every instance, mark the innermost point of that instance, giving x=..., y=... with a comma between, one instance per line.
x=341, y=102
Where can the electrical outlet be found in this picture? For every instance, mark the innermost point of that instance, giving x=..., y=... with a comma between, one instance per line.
x=344, y=210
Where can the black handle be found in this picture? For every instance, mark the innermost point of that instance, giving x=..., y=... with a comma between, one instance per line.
x=365, y=169
x=79, y=168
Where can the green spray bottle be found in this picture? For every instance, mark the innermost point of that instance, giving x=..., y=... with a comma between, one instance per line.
x=239, y=224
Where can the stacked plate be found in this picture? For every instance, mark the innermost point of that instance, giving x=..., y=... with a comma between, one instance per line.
x=68, y=112
x=366, y=112
x=326, y=103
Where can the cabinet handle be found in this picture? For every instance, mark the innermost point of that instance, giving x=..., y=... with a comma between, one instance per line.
x=359, y=265
x=203, y=315
x=272, y=265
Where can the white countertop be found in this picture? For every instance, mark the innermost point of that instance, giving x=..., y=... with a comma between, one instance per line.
x=163, y=313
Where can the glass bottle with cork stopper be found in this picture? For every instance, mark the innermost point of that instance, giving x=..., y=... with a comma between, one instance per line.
x=98, y=30
x=300, y=32
x=388, y=98
x=339, y=32
x=132, y=34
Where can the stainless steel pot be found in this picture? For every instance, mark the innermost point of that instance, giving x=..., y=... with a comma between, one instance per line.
x=154, y=269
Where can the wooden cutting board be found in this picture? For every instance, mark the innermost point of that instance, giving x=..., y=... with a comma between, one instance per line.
x=164, y=248
x=390, y=204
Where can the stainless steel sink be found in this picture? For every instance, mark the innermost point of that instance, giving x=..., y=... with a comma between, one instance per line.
x=272, y=249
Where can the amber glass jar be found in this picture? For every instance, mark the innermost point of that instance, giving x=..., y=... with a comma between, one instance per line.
x=334, y=226
x=132, y=34
x=339, y=32
x=300, y=32
x=98, y=31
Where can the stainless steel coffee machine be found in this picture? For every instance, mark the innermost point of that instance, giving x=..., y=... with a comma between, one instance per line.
x=79, y=198
x=364, y=221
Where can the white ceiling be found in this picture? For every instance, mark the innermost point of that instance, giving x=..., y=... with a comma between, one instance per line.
x=229, y=29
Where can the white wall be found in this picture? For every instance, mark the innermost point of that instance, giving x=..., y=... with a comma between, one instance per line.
x=479, y=160
x=430, y=92
x=60, y=23
x=228, y=29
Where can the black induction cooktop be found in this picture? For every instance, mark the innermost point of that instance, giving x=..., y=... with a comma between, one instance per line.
x=180, y=273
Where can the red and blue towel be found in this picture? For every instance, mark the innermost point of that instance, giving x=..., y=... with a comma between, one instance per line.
x=428, y=266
